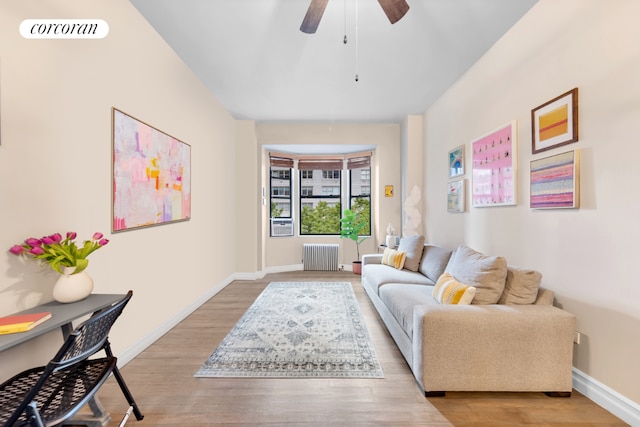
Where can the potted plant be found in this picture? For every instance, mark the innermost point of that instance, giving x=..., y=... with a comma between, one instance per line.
x=67, y=258
x=350, y=229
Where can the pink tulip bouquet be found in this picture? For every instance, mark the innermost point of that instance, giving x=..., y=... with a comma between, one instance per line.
x=59, y=252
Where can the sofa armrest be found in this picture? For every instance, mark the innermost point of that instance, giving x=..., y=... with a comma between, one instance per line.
x=545, y=297
x=493, y=347
x=371, y=259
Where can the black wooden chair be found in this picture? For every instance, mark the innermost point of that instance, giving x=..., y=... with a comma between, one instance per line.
x=52, y=394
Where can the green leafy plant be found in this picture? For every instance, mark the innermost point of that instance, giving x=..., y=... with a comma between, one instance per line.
x=350, y=228
x=59, y=252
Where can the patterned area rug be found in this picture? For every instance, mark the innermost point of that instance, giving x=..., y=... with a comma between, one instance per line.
x=298, y=329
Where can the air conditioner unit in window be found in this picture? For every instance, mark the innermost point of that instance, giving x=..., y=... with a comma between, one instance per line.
x=281, y=227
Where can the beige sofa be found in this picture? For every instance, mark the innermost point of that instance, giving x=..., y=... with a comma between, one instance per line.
x=510, y=338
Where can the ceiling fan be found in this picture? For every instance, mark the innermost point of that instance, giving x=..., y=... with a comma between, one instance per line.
x=394, y=9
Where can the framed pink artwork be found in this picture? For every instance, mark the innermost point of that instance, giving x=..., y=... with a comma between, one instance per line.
x=151, y=175
x=494, y=167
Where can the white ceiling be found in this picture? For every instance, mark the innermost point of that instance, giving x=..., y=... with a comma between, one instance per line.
x=260, y=66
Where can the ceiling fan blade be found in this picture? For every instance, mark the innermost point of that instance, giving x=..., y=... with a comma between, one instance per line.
x=313, y=16
x=394, y=9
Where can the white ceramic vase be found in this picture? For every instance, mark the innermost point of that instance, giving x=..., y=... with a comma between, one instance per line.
x=391, y=242
x=72, y=287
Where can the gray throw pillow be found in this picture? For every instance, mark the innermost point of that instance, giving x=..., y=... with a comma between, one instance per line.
x=413, y=247
x=486, y=273
x=434, y=261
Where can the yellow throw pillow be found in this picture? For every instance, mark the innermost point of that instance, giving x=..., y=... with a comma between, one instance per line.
x=394, y=258
x=449, y=291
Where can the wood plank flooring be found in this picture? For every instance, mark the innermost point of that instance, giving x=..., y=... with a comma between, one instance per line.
x=161, y=379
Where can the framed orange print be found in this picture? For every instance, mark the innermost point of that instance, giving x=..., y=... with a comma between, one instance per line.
x=555, y=123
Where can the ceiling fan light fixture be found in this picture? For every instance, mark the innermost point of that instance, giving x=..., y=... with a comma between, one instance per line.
x=394, y=9
x=314, y=14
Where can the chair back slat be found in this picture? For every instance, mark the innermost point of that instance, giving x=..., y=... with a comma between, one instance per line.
x=90, y=336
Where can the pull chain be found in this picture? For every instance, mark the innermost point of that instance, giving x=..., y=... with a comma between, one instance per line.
x=357, y=78
x=345, y=21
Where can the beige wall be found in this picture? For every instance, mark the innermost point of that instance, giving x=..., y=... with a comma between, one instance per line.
x=287, y=251
x=248, y=207
x=412, y=175
x=588, y=256
x=55, y=167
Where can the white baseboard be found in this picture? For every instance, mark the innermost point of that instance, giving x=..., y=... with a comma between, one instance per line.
x=604, y=396
x=129, y=354
x=609, y=399
x=283, y=268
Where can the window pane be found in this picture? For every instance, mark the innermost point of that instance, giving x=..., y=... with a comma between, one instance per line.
x=280, y=192
x=322, y=218
x=320, y=202
x=360, y=197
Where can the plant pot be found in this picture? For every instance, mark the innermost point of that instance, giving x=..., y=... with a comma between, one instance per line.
x=72, y=287
x=357, y=267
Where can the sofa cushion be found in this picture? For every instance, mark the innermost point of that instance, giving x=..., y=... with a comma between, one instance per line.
x=377, y=275
x=434, y=261
x=394, y=258
x=401, y=298
x=413, y=247
x=486, y=273
x=449, y=291
x=521, y=286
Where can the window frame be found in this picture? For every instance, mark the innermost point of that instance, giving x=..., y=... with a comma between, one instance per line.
x=273, y=199
x=361, y=196
x=320, y=181
x=337, y=171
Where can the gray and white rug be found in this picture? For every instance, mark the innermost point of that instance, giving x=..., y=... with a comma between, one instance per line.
x=298, y=329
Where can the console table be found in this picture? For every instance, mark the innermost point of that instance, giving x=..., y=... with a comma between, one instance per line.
x=62, y=316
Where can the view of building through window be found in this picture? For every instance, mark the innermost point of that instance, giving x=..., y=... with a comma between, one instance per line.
x=280, y=192
x=320, y=188
x=360, y=196
x=320, y=208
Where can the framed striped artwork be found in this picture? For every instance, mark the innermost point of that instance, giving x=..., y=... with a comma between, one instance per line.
x=555, y=123
x=555, y=181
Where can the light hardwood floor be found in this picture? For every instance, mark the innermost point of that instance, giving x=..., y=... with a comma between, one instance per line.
x=161, y=379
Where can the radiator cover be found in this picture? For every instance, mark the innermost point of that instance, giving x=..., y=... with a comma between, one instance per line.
x=320, y=257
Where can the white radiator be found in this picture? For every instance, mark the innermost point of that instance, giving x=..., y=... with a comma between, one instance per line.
x=323, y=257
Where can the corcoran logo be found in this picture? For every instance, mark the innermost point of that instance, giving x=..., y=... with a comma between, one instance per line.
x=64, y=29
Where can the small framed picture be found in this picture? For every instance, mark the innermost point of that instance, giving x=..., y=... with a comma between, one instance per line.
x=455, y=196
x=456, y=162
x=555, y=123
x=555, y=181
x=388, y=191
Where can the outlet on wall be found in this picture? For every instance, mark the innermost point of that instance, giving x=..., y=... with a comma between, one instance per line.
x=576, y=337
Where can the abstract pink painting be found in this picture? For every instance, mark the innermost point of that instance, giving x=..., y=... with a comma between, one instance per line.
x=151, y=175
x=494, y=167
